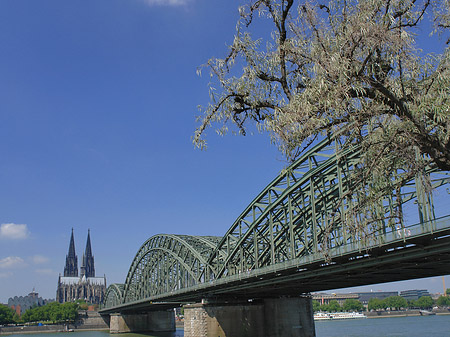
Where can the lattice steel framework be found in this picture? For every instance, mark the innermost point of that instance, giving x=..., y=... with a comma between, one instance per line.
x=165, y=263
x=113, y=296
x=306, y=209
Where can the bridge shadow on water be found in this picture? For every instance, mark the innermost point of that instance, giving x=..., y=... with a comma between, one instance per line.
x=178, y=333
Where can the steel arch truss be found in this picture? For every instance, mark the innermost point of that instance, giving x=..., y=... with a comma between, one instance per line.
x=307, y=209
x=166, y=263
x=114, y=295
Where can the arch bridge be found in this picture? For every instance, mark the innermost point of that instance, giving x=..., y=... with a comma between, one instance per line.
x=300, y=234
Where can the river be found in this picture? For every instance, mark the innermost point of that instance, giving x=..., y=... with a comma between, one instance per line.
x=421, y=326
x=418, y=326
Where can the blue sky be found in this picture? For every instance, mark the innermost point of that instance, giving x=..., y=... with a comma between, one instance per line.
x=97, y=108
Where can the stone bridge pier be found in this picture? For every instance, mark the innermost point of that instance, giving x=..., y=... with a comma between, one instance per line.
x=275, y=317
x=153, y=321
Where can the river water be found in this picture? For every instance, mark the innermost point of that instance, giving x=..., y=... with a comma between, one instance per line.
x=419, y=326
x=422, y=326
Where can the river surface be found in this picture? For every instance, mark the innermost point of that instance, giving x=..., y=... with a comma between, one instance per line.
x=422, y=326
x=418, y=326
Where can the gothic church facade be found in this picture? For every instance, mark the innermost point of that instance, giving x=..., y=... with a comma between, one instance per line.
x=86, y=286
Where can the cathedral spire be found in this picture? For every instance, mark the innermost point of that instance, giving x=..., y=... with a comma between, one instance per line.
x=71, y=268
x=87, y=266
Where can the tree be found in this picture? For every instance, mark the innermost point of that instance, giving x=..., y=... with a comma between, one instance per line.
x=376, y=303
x=53, y=311
x=395, y=302
x=349, y=68
x=333, y=306
x=6, y=314
x=351, y=304
x=69, y=311
x=424, y=302
x=316, y=306
x=443, y=301
x=83, y=305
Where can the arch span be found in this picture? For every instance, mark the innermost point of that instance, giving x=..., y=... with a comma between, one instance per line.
x=309, y=208
x=114, y=295
x=306, y=210
x=166, y=263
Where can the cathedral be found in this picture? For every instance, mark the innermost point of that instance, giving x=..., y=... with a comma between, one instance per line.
x=86, y=286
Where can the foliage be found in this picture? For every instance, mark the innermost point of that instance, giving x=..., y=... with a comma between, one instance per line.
x=395, y=302
x=447, y=292
x=316, y=306
x=333, y=306
x=398, y=302
x=351, y=304
x=443, y=301
x=82, y=304
x=424, y=302
x=6, y=314
x=376, y=304
x=53, y=311
x=17, y=318
x=351, y=69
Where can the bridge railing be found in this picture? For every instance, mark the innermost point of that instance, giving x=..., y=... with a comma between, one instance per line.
x=400, y=235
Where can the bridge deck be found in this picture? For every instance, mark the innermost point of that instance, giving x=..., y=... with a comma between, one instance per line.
x=396, y=258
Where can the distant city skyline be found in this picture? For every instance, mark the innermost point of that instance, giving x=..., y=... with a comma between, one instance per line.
x=98, y=105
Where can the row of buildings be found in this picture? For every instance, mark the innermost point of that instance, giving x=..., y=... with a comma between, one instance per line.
x=365, y=297
x=73, y=285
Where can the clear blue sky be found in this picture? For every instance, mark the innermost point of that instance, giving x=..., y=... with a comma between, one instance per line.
x=97, y=108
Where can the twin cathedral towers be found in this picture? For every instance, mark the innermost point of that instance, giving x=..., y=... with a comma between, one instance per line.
x=85, y=286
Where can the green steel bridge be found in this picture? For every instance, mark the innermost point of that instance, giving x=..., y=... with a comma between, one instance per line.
x=297, y=236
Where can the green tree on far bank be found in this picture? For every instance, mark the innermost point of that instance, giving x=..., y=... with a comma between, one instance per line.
x=376, y=304
x=6, y=314
x=82, y=304
x=424, y=302
x=351, y=304
x=53, y=312
x=316, y=306
x=395, y=302
x=333, y=306
x=443, y=301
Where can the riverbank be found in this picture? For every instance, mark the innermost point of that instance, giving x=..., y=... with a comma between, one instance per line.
x=403, y=313
x=87, y=320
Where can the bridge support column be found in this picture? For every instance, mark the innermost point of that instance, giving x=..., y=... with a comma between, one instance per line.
x=280, y=317
x=154, y=321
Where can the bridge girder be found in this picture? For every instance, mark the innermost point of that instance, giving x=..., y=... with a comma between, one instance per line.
x=306, y=210
x=114, y=295
x=166, y=263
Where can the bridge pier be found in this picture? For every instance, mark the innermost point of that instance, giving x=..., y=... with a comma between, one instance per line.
x=276, y=317
x=154, y=321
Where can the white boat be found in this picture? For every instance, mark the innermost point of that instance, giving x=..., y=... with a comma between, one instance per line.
x=347, y=315
x=426, y=313
x=321, y=316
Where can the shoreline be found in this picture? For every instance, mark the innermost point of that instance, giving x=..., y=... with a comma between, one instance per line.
x=87, y=321
x=44, y=329
x=404, y=313
x=81, y=326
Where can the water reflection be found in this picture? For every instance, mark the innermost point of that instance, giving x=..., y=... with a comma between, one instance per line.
x=104, y=333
